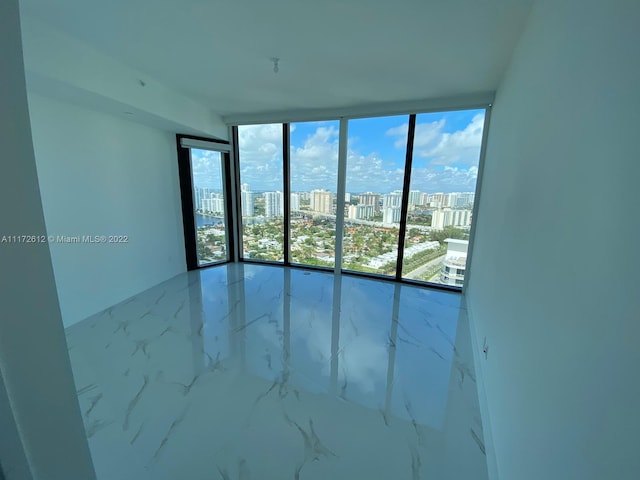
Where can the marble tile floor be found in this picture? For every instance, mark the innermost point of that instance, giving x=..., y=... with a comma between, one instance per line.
x=245, y=371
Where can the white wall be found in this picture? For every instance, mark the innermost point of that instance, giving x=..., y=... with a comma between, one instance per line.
x=38, y=402
x=555, y=299
x=104, y=175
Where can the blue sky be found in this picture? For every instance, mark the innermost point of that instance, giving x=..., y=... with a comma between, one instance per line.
x=445, y=157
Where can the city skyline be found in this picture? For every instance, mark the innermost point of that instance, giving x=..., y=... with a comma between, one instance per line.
x=247, y=189
x=445, y=158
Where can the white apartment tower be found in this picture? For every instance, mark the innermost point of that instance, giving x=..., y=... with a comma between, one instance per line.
x=246, y=199
x=391, y=215
x=273, y=204
x=321, y=201
x=370, y=198
x=446, y=217
x=415, y=197
x=360, y=212
x=294, y=202
x=391, y=200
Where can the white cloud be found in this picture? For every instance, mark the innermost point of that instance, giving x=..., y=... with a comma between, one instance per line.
x=315, y=163
x=442, y=161
x=371, y=173
x=426, y=134
x=261, y=155
x=446, y=179
x=206, y=168
x=443, y=148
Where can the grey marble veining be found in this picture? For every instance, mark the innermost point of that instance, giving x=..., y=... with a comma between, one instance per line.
x=263, y=372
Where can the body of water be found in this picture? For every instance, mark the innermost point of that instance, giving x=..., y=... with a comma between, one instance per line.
x=202, y=220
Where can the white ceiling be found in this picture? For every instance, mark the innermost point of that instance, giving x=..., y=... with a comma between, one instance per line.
x=333, y=54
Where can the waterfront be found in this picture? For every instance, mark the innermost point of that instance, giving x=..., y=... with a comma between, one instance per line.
x=204, y=220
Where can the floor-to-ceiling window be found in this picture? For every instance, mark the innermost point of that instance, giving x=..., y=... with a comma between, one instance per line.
x=261, y=192
x=444, y=169
x=376, y=152
x=409, y=185
x=313, y=156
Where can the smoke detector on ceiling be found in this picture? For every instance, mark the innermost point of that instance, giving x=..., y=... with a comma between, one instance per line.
x=275, y=61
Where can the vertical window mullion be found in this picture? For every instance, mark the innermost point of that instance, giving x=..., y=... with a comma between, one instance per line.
x=342, y=179
x=237, y=226
x=404, y=210
x=229, y=201
x=286, y=187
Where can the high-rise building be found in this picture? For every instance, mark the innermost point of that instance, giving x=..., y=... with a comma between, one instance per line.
x=273, y=204
x=437, y=200
x=393, y=199
x=321, y=201
x=347, y=197
x=360, y=212
x=445, y=217
x=464, y=199
x=391, y=215
x=455, y=262
x=370, y=198
x=202, y=194
x=414, y=197
x=424, y=199
x=461, y=218
x=213, y=204
x=441, y=218
x=295, y=202
x=246, y=199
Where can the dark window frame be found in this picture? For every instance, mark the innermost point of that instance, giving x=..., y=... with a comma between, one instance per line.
x=404, y=204
x=185, y=176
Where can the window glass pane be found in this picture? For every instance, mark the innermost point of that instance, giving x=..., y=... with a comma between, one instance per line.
x=261, y=197
x=375, y=174
x=313, y=172
x=209, y=203
x=446, y=155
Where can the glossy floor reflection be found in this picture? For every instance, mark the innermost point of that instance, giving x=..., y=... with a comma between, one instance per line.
x=267, y=373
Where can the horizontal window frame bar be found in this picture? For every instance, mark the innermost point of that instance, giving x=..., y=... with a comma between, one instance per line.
x=199, y=144
x=445, y=104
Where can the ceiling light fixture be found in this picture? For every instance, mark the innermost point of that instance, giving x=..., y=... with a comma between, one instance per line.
x=275, y=61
